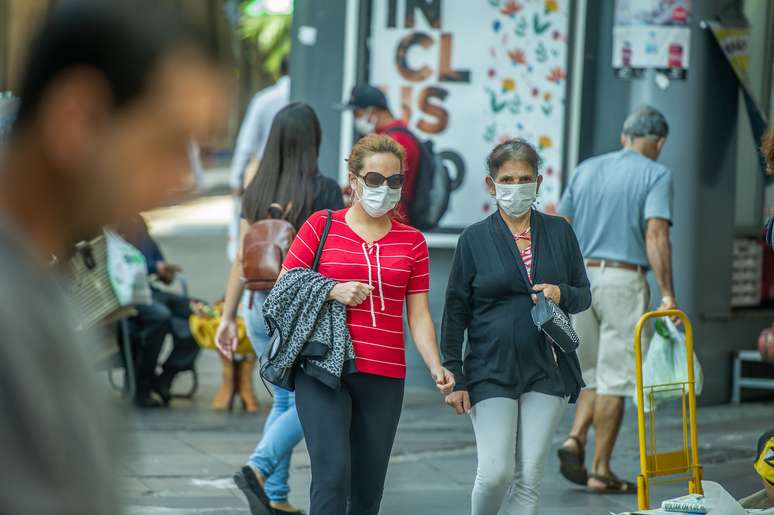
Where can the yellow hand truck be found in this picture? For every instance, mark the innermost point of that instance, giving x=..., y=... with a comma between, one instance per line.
x=683, y=462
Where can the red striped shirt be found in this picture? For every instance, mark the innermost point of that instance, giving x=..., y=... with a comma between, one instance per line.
x=526, y=257
x=397, y=265
x=526, y=254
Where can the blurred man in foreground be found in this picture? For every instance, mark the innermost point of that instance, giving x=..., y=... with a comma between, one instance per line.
x=111, y=94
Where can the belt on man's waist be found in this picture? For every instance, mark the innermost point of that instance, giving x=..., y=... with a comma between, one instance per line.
x=606, y=263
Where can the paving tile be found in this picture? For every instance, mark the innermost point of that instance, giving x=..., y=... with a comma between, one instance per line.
x=181, y=461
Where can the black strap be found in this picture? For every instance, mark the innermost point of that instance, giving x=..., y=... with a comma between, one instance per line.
x=324, y=237
x=404, y=130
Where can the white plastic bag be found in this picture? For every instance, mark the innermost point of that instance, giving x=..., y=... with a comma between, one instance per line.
x=666, y=363
x=128, y=271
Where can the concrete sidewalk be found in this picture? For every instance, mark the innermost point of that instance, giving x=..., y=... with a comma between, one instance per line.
x=180, y=461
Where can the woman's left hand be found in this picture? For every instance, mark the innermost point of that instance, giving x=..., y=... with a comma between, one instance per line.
x=552, y=292
x=444, y=380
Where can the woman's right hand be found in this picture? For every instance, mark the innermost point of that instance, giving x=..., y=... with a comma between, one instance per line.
x=460, y=401
x=350, y=294
x=226, y=338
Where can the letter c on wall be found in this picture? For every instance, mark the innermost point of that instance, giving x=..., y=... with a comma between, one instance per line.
x=401, y=54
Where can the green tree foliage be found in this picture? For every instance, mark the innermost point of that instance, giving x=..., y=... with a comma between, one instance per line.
x=270, y=34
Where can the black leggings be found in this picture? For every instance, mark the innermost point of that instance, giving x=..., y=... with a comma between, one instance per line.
x=349, y=434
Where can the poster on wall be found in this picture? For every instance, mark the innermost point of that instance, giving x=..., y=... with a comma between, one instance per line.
x=652, y=34
x=469, y=75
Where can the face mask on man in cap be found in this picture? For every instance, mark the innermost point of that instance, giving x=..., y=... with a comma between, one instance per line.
x=363, y=123
x=366, y=101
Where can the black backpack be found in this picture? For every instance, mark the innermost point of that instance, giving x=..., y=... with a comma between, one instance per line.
x=432, y=186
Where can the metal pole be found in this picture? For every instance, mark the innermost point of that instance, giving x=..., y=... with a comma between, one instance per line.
x=695, y=486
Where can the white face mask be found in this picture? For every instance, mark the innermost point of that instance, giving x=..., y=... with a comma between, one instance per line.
x=363, y=124
x=516, y=199
x=377, y=201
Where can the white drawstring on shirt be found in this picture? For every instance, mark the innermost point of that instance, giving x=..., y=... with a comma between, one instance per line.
x=378, y=280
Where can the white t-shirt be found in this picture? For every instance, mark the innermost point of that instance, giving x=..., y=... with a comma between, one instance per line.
x=255, y=127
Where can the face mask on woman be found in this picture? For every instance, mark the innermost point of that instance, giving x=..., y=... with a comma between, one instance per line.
x=516, y=199
x=363, y=124
x=377, y=201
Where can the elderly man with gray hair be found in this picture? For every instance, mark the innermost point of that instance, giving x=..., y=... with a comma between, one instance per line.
x=620, y=205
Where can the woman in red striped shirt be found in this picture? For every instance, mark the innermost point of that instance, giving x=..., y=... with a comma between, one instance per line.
x=378, y=263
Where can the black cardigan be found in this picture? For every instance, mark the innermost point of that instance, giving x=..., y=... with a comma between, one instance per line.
x=489, y=297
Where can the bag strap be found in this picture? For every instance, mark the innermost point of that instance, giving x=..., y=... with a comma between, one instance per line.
x=405, y=130
x=324, y=237
x=283, y=211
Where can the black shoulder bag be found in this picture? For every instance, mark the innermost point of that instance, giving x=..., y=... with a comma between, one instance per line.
x=284, y=377
x=555, y=324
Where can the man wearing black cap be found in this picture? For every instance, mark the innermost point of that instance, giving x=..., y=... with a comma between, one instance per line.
x=369, y=107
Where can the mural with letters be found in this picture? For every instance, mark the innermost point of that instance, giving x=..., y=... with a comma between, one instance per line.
x=471, y=74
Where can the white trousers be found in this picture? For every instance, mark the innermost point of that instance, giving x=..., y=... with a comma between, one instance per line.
x=513, y=438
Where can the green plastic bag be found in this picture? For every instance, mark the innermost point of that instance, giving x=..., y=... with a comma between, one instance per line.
x=666, y=363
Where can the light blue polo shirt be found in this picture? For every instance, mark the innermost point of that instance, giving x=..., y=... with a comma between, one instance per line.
x=610, y=198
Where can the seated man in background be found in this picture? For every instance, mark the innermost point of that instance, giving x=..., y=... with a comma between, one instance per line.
x=168, y=314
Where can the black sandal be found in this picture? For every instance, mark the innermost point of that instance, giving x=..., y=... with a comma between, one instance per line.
x=571, y=463
x=613, y=485
x=256, y=497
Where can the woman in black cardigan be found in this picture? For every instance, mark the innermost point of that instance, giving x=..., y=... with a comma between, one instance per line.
x=512, y=381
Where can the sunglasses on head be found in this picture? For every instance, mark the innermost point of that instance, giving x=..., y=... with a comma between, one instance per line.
x=375, y=179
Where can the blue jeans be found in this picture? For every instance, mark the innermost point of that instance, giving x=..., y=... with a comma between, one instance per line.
x=282, y=430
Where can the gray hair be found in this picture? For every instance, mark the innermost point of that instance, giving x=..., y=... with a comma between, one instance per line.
x=646, y=121
x=515, y=149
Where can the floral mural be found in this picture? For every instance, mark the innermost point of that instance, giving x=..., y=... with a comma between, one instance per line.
x=469, y=74
x=526, y=81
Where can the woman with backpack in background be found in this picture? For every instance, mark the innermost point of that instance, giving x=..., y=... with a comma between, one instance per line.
x=288, y=185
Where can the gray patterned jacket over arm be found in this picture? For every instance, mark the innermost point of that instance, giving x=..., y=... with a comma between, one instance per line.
x=313, y=331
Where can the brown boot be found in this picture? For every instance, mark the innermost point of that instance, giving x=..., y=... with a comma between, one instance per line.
x=224, y=398
x=249, y=401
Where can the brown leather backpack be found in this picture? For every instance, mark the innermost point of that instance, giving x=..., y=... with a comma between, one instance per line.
x=264, y=249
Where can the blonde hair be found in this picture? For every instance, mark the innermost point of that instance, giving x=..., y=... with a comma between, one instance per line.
x=370, y=145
